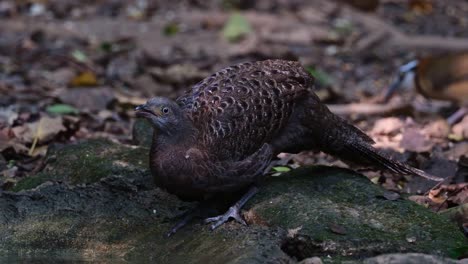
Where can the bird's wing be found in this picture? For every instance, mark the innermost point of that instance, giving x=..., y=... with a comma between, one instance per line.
x=241, y=107
x=228, y=176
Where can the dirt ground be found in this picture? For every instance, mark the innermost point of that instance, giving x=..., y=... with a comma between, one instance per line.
x=71, y=70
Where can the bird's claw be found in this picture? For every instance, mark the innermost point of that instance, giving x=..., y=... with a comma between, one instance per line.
x=233, y=212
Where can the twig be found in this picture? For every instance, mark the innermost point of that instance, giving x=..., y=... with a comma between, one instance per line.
x=368, y=109
x=36, y=138
x=383, y=33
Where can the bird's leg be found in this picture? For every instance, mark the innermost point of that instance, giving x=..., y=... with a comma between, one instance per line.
x=233, y=211
x=187, y=217
x=201, y=210
x=459, y=114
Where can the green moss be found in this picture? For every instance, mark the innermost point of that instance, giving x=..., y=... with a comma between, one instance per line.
x=312, y=200
x=88, y=162
x=316, y=199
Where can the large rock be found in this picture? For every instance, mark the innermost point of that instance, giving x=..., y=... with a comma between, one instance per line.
x=110, y=211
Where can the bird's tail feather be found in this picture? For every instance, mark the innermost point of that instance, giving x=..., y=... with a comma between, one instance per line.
x=373, y=156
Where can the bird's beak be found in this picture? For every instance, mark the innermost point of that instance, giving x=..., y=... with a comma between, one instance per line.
x=143, y=111
x=139, y=107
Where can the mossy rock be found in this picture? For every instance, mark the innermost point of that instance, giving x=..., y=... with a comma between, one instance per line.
x=339, y=213
x=98, y=203
x=88, y=162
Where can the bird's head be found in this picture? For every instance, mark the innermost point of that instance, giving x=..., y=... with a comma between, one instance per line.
x=164, y=114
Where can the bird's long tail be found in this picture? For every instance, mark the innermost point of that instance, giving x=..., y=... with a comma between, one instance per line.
x=337, y=137
x=367, y=152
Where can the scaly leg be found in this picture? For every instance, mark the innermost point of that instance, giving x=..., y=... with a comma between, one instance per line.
x=183, y=222
x=201, y=210
x=233, y=211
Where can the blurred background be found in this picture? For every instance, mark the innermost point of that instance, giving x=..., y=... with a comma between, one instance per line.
x=71, y=70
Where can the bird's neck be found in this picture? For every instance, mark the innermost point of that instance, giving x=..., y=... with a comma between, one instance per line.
x=183, y=134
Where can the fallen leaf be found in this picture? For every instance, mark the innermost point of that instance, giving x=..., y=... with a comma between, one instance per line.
x=123, y=99
x=91, y=99
x=236, y=27
x=458, y=150
x=86, y=78
x=39, y=151
x=387, y=126
x=79, y=56
x=437, y=129
x=7, y=142
x=281, y=169
x=421, y=6
x=461, y=197
x=61, y=76
x=420, y=199
x=460, y=130
x=10, y=172
x=411, y=239
x=414, y=140
x=322, y=77
x=44, y=129
x=294, y=231
x=437, y=196
x=62, y=109
x=171, y=29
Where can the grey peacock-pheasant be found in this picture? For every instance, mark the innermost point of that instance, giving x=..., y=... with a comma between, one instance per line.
x=220, y=136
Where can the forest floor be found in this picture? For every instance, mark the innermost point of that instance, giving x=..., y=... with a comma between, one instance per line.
x=72, y=70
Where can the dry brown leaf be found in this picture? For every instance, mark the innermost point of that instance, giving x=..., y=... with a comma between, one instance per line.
x=88, y=99
x=458, y=150
x=17, y=146
x=7, y=140
x=294, y=231
x=437, y=196
x=44, y=129
x=460, y=130
x=420, y=199
x=414, y=140
x=437, y=129
x=387, y=126
x=461, y=197
x=132, y=100
x=421, y=6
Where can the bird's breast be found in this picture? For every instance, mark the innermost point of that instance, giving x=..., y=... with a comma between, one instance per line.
x=177, y=172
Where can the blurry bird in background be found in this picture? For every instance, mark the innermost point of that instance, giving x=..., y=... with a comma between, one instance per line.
x=441, y=77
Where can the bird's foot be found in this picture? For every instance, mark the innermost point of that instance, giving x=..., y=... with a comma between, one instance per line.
x=183, y=222
x=233, y=212
x=202, y=210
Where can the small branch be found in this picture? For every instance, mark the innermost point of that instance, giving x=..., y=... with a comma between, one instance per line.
x=368, y=109
x=382, y=32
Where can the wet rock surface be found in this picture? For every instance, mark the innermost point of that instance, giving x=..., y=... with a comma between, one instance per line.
x=96, y=201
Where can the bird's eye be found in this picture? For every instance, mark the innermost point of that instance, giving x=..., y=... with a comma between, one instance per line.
x=165, y=110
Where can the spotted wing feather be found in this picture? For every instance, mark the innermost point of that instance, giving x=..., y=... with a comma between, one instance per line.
x=247, y=104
